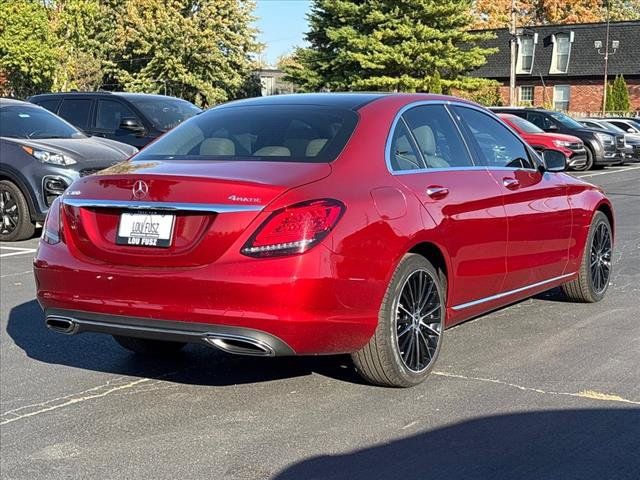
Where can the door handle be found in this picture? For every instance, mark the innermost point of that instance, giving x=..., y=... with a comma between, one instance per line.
x=510, y=183
x=436, y=192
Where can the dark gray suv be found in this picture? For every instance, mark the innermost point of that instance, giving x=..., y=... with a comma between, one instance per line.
x=40, y=155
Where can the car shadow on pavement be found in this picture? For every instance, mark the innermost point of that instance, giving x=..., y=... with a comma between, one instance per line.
x=196, y=364
x=558, y=444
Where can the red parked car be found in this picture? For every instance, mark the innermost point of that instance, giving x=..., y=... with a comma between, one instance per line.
x=572, y=147
x=321, y=224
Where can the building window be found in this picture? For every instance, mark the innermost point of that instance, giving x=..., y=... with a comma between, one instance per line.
x=561, y=52
x=526, y=94
x=561, y=97
x=526, y=52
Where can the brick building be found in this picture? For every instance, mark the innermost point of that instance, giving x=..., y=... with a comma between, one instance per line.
x=561, y=66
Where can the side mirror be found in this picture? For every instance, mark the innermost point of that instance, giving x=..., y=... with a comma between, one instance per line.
x=631, y=130
x=552, y=127
x=132, y=125
x=554, y=161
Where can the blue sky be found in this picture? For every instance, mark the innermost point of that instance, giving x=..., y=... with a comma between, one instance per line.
x=282, y=24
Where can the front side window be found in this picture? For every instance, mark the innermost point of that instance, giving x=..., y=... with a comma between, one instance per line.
x=165, y=114
x=33, y=122
x=437, y=137
x=561, y=53
x=76, y=111
x=561, y=95
x=109, y=116
x=287, y=133
x=526, y=49
x=496, y=145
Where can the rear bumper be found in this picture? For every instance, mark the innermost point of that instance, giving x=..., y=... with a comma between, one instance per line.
x=230, y=339
x=309, y=302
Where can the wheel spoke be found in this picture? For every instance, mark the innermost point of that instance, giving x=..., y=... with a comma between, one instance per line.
x=426, y=343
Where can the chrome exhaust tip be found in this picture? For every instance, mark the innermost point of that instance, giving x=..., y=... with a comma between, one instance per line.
x=64, y=325
x=239, y=345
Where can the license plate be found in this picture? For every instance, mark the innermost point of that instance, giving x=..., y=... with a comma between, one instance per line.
x=145, y=229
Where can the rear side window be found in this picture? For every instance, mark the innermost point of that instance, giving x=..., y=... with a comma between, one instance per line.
x=437, y=137
x=51, y=105
x=293, y=133
x=76, y=111
x=495, y=144
x=403, y=154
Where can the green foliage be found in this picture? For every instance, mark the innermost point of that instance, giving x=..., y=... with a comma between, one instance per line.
x=435, y=83
x=487, y=94
x=27, y=55
x=618, y=96
x=393, y=45
x=198, y=50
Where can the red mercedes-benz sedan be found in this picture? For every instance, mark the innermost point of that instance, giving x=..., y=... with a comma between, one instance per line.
x=321, y=224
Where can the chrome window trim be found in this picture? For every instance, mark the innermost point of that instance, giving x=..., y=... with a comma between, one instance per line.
x=447, y=104
x=160, y=206
x=497, y=296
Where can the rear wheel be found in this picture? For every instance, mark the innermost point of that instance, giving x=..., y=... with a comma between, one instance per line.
x=408, y=338
x=15, y=221
x=595, y=269
x=146, y=346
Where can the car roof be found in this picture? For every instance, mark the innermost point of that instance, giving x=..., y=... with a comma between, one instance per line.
x=351, y=101
x=11, y=101
x=100, y=93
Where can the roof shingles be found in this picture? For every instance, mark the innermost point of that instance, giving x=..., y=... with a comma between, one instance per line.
x=584, y=60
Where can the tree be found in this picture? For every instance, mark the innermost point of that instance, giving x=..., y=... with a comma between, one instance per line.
x=85, y=32
x=496, y=13
x=396, y=45
x=27, y=57
x=619, y=94
x=199, y=50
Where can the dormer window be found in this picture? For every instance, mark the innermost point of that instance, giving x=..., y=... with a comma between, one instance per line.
x=526, y=52
x=561, y=52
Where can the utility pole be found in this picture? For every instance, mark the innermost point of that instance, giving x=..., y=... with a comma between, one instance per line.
x=606, y=62
x=514, y=56
x=614, y=46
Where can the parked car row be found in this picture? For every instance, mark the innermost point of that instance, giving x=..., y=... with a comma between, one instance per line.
x=42, y=153
x=603, y=145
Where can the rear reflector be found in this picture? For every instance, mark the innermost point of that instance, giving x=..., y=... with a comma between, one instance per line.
x=294, y=229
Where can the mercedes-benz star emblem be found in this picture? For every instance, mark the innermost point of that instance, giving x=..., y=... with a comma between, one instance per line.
x=140, y=189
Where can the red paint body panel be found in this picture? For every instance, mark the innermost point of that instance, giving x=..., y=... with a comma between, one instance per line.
x=327, y=299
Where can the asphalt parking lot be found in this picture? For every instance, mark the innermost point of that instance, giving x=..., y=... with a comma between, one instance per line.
x=543, y=389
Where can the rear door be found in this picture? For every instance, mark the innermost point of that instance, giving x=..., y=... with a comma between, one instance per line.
x=537, y=205
x=428, y=155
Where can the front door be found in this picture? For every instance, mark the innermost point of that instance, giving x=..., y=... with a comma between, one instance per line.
x=536, y=202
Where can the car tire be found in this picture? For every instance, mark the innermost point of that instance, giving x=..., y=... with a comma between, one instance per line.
x=595, y=269
x=15, y=220
x=402, y=351
x=588, y=164
x=149, y=347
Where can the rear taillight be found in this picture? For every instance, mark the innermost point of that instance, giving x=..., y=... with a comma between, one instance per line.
x=52, y=230
x=294, y=229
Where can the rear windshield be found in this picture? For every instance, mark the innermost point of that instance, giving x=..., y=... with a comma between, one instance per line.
x=166, y=113
x=292, y=133
x=25, y=121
